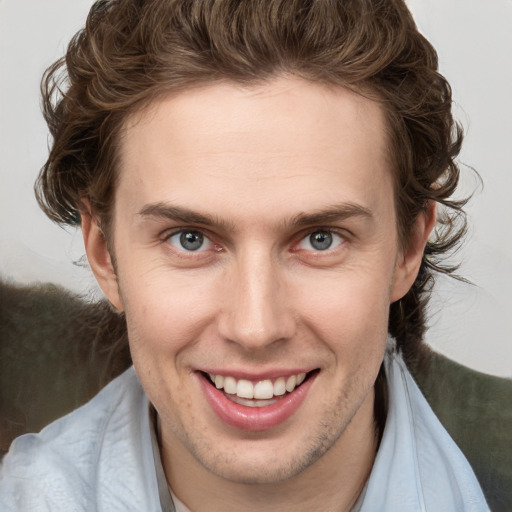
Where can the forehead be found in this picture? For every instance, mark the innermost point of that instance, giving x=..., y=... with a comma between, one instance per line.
x=254, y=146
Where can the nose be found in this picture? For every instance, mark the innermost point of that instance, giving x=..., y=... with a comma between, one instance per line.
x=257, y=310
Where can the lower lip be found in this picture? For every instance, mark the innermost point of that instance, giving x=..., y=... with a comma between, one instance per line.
x=255, y=418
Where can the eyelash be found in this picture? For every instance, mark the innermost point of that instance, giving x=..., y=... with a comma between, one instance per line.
x=333, y=233
x=166, y=238
x=303, y=237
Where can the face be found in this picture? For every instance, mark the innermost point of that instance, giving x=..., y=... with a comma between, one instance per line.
x=256, y=256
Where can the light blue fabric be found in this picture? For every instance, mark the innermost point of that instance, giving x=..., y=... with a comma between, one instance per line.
x=418, y=467
x=99, y=458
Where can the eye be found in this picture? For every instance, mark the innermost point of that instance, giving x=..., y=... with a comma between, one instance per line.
x=321, y=240
x=189, y=240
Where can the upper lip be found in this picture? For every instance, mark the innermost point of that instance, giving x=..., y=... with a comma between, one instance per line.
x=257, y=376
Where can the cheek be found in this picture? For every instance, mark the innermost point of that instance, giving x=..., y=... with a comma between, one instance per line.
x=165, y=313
x=348, y=312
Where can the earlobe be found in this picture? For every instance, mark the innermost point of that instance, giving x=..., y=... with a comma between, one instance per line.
x=408, y=266
x=99, y=257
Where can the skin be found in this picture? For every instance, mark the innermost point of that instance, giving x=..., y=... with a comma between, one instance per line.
x=266, y=166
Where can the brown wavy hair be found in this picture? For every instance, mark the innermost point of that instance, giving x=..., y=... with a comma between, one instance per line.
x=132, y=52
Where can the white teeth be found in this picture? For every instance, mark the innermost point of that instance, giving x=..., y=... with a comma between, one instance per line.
x=230, y=385
x=244, y=389
x=251, y=402
x=291, y=381
x=218, y=380
x=262, y=390
x=280, y=386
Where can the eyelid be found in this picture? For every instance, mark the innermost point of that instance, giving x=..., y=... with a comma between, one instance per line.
x=168, y=234
x=342, y=234
x=210, y=238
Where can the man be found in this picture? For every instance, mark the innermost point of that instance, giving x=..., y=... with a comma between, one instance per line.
x=256, y=183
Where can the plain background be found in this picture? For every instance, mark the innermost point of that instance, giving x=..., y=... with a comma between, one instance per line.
x=472, y=324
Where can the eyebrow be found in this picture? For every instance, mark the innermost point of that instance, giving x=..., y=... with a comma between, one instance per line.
x=183, y=215
x=334, y=213
x=328, y=215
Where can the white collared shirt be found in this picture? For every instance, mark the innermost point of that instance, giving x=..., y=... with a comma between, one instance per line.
x=100, y=457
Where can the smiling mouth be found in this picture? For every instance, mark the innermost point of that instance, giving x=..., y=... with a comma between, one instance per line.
x=262, y=393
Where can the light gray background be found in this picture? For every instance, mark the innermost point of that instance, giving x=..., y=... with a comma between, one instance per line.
x=472, y=324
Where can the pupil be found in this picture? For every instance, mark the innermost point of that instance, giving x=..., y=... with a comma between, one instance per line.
x=191, y=240
x=321, y=240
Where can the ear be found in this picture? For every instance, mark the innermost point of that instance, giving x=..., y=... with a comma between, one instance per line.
x=409, y=262
x=99, y=256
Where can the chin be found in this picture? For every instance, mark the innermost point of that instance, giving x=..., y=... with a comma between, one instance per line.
x=268, y=472
x=267, y=462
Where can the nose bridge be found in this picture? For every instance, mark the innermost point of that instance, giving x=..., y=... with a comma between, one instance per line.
x=258, y=313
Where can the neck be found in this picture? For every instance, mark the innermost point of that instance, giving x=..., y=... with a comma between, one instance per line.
x=335, y=480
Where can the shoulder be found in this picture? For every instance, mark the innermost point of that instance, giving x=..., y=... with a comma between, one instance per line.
x=57, y=468
x=475, y=408
x=418, y=466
